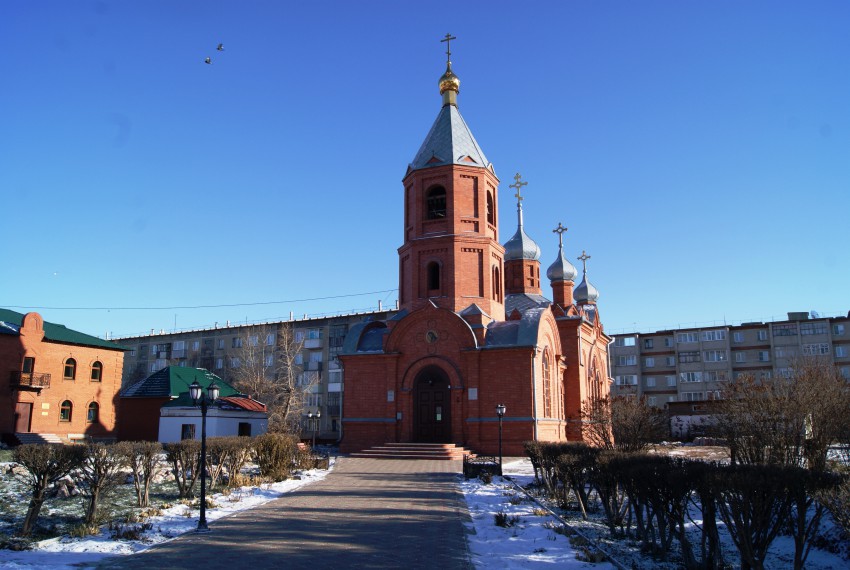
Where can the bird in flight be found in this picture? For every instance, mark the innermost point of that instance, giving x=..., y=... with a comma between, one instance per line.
x=220, y=47
x=208, y=60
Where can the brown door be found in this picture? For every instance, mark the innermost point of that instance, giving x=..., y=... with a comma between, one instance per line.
x=23, y=413
x=433, y=399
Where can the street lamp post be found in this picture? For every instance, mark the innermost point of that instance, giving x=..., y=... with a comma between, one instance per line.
x=197, y=393
x=314, y=424
x=500, y=411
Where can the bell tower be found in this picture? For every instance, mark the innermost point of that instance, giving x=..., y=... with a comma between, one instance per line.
x=451, y=254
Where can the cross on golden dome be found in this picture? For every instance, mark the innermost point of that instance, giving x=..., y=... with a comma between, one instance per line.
x=448, y=39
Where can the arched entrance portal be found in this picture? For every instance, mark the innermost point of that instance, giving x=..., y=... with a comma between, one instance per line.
x=432, y=407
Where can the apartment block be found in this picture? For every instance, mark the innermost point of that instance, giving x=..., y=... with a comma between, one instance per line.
x=691, y=364
x=221, y=349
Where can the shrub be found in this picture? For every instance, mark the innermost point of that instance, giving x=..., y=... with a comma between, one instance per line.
x=277, y=455
x=185, y=460
x=143, y=458
x=503, y=520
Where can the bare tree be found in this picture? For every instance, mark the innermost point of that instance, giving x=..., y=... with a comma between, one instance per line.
x=45, y=464
x=267, y=369
x=785, y=421
x=99, y=475
x=623, y=423
x=143, y=458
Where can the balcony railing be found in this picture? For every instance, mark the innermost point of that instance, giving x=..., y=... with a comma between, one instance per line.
x=30, y=379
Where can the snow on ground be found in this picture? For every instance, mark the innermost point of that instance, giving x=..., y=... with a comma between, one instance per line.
x=531, y=543
x=71, y=553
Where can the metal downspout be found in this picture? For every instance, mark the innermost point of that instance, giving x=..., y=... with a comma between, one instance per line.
x=534, y=390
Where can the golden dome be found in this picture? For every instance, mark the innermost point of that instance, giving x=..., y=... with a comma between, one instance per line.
x=449, y=81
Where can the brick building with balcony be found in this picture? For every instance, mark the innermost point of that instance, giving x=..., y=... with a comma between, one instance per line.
x=55, y=381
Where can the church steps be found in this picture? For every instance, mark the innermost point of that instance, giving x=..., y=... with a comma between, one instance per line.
x=448, y=452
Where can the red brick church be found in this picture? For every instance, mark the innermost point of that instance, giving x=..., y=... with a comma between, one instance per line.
x=474, y=329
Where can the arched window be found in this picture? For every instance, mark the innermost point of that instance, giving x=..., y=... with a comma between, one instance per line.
x=70, y=369
x=497, y=284
x=435, y=203
x=93, y=414
x=65, y=410
x=547, y=386
x=491, y=212
x=96, y=371
x=433, y=276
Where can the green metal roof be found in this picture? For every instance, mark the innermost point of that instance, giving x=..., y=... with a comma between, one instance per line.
x=174, y=381
x=54, y=332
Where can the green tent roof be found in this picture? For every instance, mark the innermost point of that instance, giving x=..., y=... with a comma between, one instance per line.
x=10, y=323
x=174, y=381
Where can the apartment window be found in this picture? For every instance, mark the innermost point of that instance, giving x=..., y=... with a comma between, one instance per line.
x=816, y=349
x=845, y=372
x=838, y=330
x=93, y=413
x=132, y=352
x=671, y=380
x=187, y=431
x=219, y=363
x=740, y=357
x=690, y=377
x=196, y=345
x=627, y=380
x=785, y=352
x=253, y=340
x=784, y=372
x=179, y=345
x=624, y=341
x=762, y=335
x=671, y=398
x=96, y=371
x=670, y=361
x=316, y=356
x=693, y=396
x=235, y=362
x=153, y=367
x=314, y=333
x=840, y=351
x=668, y=342
x=236, y=342
x=70, y=372
x=65, y=409
x=687, y=337
x=629, y=360
x=647, y=343
x=649, y=362
x=765, y=375
x=715, y=356
x=221, y=344
x=269, y=360
x=738, y=337
x=650, y=382
x=270, y=339
x=718, y=334
x=788, y=329
x=143, y=350
x=154, y=349
x=652, y=401
x=813, y=328
x=299, y=336
x=689, y=356
x=299, y=359
x=764, y=356
x=715, y=376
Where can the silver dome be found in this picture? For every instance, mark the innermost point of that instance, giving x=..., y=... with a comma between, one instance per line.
x=561, y=270
x=521, y=247
x=585, y=292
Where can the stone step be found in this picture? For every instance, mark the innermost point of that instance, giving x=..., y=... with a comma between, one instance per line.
x=443, y=451
x=25, y=438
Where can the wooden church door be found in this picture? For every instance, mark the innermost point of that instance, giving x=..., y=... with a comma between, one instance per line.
x=432, y=401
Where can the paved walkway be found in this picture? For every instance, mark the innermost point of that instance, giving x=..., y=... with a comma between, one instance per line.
x=367, y=513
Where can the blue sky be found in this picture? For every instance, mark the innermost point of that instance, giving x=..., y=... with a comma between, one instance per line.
x=699, y=152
